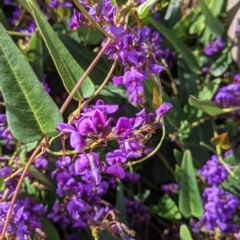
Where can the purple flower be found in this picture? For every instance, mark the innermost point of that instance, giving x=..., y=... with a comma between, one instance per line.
x=86, y=126
x=115, y=159
x=214, y=47
x=132, y=79
x=109, y=109
x=123, y=127
x=213, y=171
x=131, y=147
x=88, y=163
x=163, y=109
x=237, y=77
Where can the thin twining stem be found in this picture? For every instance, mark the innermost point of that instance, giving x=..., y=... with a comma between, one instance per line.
x=153, y=152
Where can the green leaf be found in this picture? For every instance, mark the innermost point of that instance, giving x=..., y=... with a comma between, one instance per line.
x=181, y=27
x=66, y=65
x=35, y=55
x=211, y=21
x=232, y=184
x=143, y=8
x=120, y=204
x=112, y=91
x=188, y=85
x=220, y=66
x=178, y=44
x=84, y=56
x=184, y=233
x=190, y=203
x=166, y=208
x=40, y=177
x=4, y=20
x=208, y=91
x=2, y=184
x=49, y=229
x=205, y=105
x=30, y=111
x=90, y=36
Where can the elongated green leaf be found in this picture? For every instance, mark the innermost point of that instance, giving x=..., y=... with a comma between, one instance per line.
x=166, y=208
x=205, y=105
x=188, y=85
x=4, y=20
x=35, y=55
x=49, y=229
x=40, y=177
x=222, y=64
x=208, y=91
x=143, y=8
x=66, y=65
x=84, y=56
x=178, y=44
x=30, y=111
x=190, y=203
x=184, y=233
x=120, y=204
x=2, y=184
x=211, y=21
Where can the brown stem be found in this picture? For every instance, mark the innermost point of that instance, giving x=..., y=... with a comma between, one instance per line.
x=90, y=68
x=103, y=83
x=38, y=149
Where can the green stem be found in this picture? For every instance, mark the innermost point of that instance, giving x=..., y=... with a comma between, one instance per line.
x=86, y=14
x=19, y=34
x=219, y=153
x=153, y=152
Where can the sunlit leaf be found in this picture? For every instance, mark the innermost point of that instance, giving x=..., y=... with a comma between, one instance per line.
x=143, y=8
x=30, y=111
x=184, y=233
x=205, y=105
x=2, y=184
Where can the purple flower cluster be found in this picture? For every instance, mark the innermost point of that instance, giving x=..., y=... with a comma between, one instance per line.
x=94, y=127
x=219, y=205
x=229, y=96
x=138, y=50
x=170, y=188
x=58, y=3
x=213, y=171
x=219, y=208
x=27, y=212
x=5, y=133
x=214, y=47
x=81, y=198
x=139, y=214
